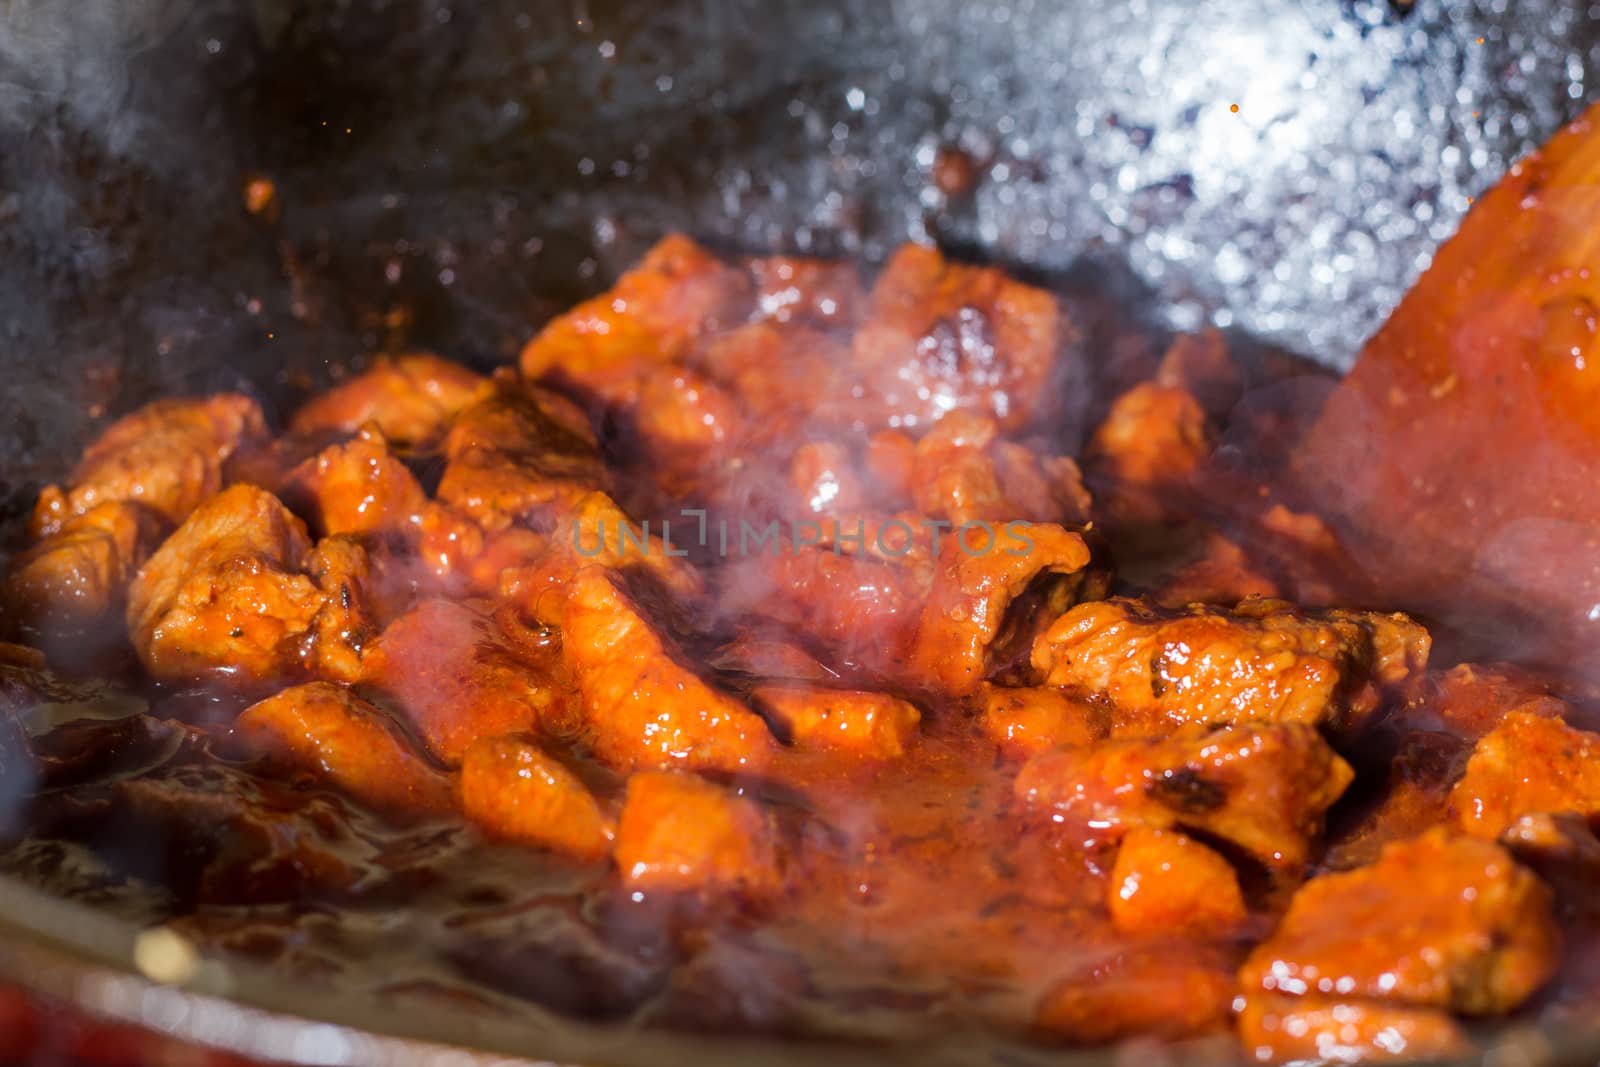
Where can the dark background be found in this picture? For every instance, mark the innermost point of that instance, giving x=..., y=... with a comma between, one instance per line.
x=451, y=172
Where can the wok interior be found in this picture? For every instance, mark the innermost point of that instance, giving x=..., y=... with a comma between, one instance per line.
x=423, y=202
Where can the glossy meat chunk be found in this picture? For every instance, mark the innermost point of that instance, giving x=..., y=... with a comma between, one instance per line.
x=941, y=336
x=79, y=574
x=357, y=486
x=1530, y=764
x=978, y=579
x=167, y=456
x=1147, y=452
x=847, y=721
x=326, y=732
x=1439, y=921
x=517, y=456
x=681, y=832
x=674, y=295
x=1277, y=1029
x=458, y=677
x=1263, y=787
x=964, y=472
x=1165, y=882
x=1261, y=661
x=225, y=594
x=643, y=706
x=1168, y=990
x=1030, y=719
x=516, y=792
x=410, y=398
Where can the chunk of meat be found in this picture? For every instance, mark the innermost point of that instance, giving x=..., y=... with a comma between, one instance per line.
x=861, y=610
x=1147, y=452
x=515, y=457
x=327, y=732
x=458, y=677
x=643, y=706
x=1262, y=660
x=516, y=792
x=357, y=486
x=1199, y=364
x=677, y=293
x=680, y=832
x=411, y=398
x=358, y=595
x=941, y=336
x=1263, y=787
x=824, y=480
x=1165, y=882
x=1030, y=719
x=781, y=374
x=224, y=595
x=686, y=423
x=974, y=586
x=1530, y=764
x=596, y=532
x=1439, y=921
x=1315, y=1029
x=847, y=721
x=79, y=574
x=1169, y=990
x=1470, y=700
x=1215, y=570
x=963, y=472
x=167, y=456
x=789, y=288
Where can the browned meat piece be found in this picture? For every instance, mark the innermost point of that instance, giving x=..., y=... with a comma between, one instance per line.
x=1530, y=764
x=781, y=373
x=1167, y=883
x=167, y=456
x=225, y=595
x=650, y=318
x=1263, y=787
x=862, y=610
x=686, y=423
x=1324, y=1030
x=1031, y=719
x=458, y=677
x=516, y=792
x=942, y=336
x=411, y=398
x=1470, y=700
x=1217, y=572
x=1147, y=452
x=788, y=288
x=516, y=458
x=1199, y=364
x=358, y=486
x=1263, y=660
x=79, y=574
x=1439, y=921
x=892, y=460
x=327, y=732
x=1168, y=990
x=976, y=582
x=598, y=533
x=643, y=706
x=680, y=832
x=847, y=721
x=963, y=472
x=823, y=480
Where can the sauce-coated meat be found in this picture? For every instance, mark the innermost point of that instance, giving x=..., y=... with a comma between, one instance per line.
x=168, y=456
x=1263, y=787
x=1440, y=921
x=754, y=657
x=1261, y=661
